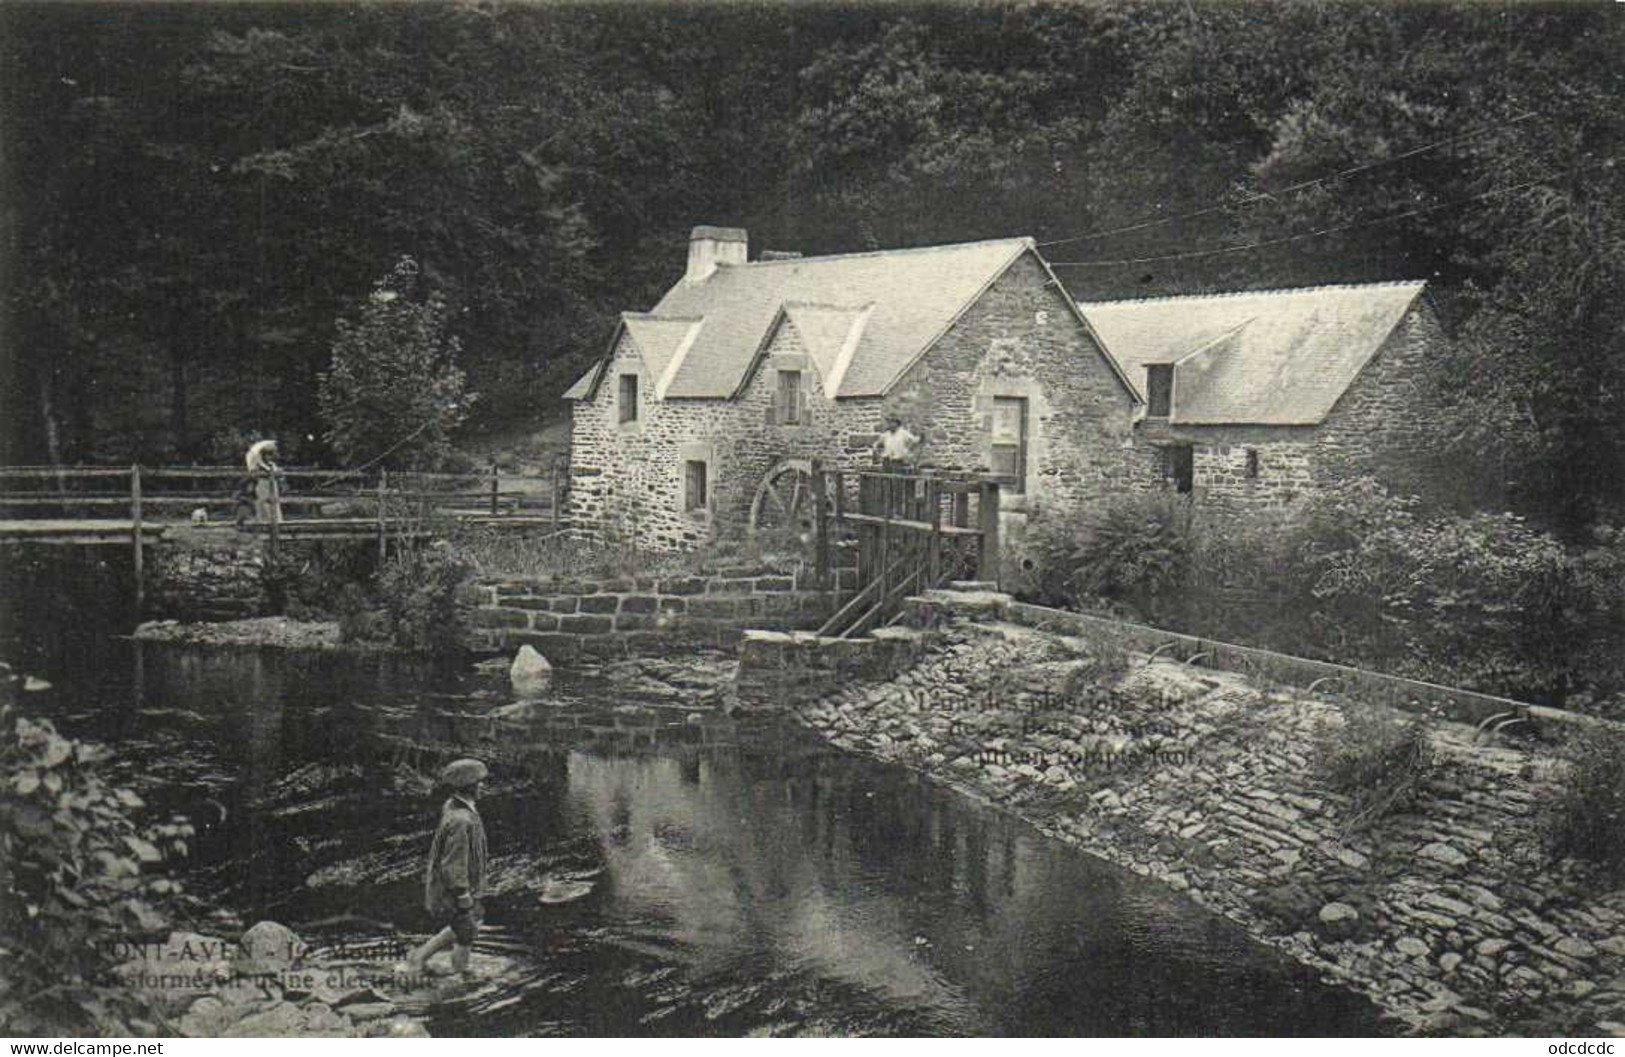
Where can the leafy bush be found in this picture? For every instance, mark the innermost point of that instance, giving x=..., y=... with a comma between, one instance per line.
x=78, y=878
x=418, y=592
x=308, y=584
x=359, y=617
x=1137, y=552
x=1482, y=601
x=1376, y=757
x=1584, y=816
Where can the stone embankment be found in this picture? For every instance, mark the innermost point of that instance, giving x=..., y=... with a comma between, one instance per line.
x=1447, y=913
x=277, y=632
x=207, y=581
x=572, y=618
x=264, y=986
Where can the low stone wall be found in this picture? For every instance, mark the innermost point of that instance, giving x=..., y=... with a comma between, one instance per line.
x=778, y=669
x=1447, y=914
x=569, y=619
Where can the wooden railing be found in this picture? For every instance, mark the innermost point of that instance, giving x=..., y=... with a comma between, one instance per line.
x=173, y=493
x=99, y=504
x=912, y=533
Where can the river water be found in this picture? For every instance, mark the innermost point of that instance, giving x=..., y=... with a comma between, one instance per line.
x=654, y=870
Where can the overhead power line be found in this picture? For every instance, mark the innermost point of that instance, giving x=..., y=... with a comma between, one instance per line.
x=1308, y=234
x=1152, y=222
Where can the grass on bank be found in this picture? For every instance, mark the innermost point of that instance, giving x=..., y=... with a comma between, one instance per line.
x=495, y=553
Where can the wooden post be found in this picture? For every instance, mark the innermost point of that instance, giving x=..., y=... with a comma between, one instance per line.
x=888, y=489
x=961, y=508
x=555, y=472
x=988, y=568
x=136, y=540
x=821, y=531
x=493, y=488
x=383, y=488
x=276, y=513
x=866, y=531
x=934, y=554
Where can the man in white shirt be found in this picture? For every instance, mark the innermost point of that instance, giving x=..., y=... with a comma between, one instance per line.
x=267, y=488
x=897, y=446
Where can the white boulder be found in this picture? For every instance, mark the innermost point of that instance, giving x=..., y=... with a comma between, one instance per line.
x=530, y=674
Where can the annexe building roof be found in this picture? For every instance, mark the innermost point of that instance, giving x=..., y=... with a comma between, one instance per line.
x=1272, y=357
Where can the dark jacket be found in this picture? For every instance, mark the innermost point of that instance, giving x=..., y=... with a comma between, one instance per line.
x=456, y=858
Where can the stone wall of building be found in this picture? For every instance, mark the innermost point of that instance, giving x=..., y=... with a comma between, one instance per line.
x=626, y=480
x=1383, y=425
x=1021, y=339
x=1282, y=456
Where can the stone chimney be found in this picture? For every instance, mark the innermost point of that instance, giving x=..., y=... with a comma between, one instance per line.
x=710, y=246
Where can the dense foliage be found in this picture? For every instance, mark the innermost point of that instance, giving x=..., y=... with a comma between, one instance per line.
x=1359, y=576
x=418, y=592
x=81, y=882
x=1583, y=814
x=1135, y=553
x=207, y=191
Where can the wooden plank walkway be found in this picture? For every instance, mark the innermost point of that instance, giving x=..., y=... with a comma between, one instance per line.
x=75, y=530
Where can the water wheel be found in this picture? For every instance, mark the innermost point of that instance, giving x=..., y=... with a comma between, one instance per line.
x=784, y=499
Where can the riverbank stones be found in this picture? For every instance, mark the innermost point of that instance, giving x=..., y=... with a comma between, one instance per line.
x=1339, y=921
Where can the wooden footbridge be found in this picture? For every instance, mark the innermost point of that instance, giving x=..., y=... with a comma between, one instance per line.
x=911, y=532
x=137, y=506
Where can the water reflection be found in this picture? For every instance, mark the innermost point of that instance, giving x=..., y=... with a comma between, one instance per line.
x=659, y=873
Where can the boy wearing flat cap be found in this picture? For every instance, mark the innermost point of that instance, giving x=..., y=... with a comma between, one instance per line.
x=456, y=873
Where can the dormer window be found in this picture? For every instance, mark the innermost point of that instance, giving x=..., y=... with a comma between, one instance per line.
x=1159, y=389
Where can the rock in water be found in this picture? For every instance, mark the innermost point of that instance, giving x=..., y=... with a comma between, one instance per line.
x=268, y=948
x=556, y=890
x=530, y=673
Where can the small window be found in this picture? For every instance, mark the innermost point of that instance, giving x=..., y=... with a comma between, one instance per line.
x=629, y=398
x=1159, y=385
x=695, y=484
x=792, y=405
x=1009, y=441
x=1252, y=464
x=1179, y=467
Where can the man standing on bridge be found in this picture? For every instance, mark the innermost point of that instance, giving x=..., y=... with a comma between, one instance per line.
x=897, y=447
x=265, y=474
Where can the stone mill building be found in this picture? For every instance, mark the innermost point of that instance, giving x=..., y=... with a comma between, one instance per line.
x=702, y=408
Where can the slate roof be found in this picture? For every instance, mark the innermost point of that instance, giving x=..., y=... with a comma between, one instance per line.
x=583, y=387
x=831, y=335
x=889, y=306
x=1275, y=357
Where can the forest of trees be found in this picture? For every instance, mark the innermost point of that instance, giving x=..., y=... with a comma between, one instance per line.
x=197, y=195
